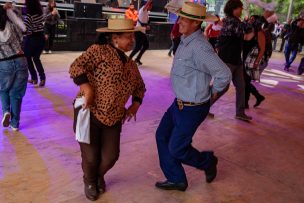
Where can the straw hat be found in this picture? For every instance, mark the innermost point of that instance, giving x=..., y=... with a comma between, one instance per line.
x=120, y=25
x=195, y=12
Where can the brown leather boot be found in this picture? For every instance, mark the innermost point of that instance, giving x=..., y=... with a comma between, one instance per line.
x=90, y=191
x=101, y=185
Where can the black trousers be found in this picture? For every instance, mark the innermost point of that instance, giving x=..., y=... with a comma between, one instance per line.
x=101, y=154
x=141, y=45
x=213, y=41
x=50, y=31
x=33, y=47
x=250, y=89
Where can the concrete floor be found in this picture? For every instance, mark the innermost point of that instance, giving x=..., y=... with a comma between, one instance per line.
x=259, y=162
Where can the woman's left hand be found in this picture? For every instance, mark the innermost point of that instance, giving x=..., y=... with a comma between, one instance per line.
x=131, y=112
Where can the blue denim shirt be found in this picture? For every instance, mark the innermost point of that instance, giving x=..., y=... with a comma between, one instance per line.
x=194, y=65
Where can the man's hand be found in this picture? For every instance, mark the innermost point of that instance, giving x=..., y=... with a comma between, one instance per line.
x=131, y=112
x=214, y=96
x=88, y=92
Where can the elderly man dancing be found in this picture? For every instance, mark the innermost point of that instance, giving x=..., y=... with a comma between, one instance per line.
x=195, y=63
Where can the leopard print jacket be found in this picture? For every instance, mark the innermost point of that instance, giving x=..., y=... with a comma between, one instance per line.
x=112, y=81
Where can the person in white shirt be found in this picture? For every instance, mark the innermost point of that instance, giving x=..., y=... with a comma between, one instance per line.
x=141, y=39
x=276, y=33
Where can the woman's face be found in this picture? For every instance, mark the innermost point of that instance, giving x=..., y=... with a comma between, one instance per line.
x=52, y=4
x=238, y=12
x=124, y=42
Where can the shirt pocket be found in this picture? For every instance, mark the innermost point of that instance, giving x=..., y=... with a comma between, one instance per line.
x=181, y=66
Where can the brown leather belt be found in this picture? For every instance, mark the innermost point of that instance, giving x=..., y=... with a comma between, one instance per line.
x=181, y=103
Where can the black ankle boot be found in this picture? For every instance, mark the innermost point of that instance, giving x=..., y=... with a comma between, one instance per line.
x=259, y=100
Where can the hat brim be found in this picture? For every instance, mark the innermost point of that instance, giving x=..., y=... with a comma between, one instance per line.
x=208, y=18
x=106, y=29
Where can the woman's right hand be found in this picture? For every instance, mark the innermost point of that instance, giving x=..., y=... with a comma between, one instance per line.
x=88, y=93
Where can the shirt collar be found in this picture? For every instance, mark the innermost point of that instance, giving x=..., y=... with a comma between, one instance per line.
x=188, y=39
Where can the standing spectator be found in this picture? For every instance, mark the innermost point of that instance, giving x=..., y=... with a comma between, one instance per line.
x=34, y=40
x=230, y=48
x=13, y=66
x=141, y=39
x=213, y=31
x=51, y=19
x=276, y=33
x=131, y=13
x=296, y=37
x=284, y=33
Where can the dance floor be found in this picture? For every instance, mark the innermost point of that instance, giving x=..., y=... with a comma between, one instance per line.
x=259, y=162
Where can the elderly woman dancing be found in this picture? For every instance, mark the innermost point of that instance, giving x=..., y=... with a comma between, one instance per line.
x=107, y=78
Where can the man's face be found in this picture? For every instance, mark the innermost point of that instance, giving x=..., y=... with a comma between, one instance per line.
x=187, y=26
x=132, y=7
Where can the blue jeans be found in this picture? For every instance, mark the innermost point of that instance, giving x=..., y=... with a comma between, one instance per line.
x=287, y=53
x=13, y=81
x=174, y=138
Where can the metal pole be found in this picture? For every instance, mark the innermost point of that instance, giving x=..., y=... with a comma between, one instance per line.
x=289, y=10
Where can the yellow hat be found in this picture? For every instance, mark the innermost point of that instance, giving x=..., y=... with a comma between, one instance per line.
x=120, y=25
x=195, y=12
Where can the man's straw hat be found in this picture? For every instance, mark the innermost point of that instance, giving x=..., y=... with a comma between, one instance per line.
x=195, y=12
x=120, y=25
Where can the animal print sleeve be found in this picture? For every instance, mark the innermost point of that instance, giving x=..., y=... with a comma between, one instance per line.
x=86, y=63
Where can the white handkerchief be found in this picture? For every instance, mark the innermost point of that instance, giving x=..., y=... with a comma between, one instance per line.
x=83, y=122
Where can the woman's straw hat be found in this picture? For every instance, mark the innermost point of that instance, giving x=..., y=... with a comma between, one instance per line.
x=195, y=12
x=120, y=25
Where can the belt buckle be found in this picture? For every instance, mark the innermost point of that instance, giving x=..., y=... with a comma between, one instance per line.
x=180, y=104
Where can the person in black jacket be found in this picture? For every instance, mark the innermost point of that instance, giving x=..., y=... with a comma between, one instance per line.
x=51, y=18
x=233, y=33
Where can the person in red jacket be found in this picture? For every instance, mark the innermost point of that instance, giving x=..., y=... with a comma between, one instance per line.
x=175, y=37
x=213, y=31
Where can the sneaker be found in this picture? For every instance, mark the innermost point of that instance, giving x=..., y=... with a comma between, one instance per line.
x=50, y=52
x=34, y=82
x=243, y=117
x=6, y=119
x=42, y=83
x=13, y=128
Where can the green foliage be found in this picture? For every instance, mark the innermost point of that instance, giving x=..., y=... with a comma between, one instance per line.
x=282, y=9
